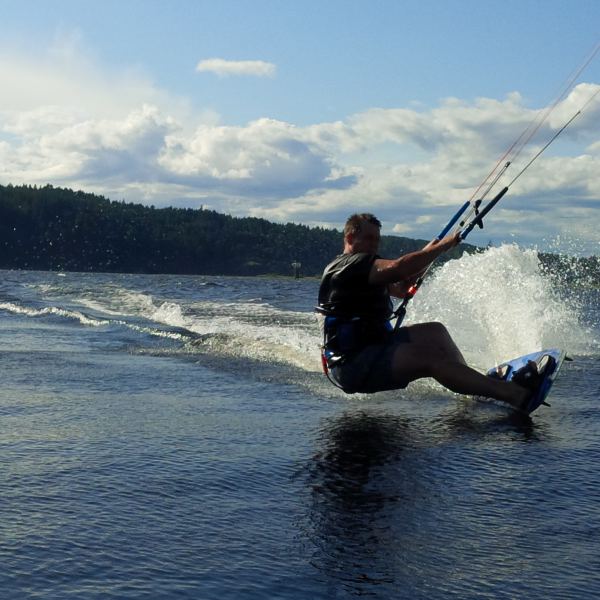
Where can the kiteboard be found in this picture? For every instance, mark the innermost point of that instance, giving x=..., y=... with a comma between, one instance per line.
x=548, y=362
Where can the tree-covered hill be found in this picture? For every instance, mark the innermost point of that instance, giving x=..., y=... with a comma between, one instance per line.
x=50, y=228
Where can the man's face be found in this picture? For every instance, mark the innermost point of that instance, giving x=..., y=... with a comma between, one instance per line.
x=366, y=240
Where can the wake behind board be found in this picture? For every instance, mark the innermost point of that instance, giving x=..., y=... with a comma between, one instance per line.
x=552, y=359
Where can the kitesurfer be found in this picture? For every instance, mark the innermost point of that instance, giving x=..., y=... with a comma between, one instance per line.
x=363, y=353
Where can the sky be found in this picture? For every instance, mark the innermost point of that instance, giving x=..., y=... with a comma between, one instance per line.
x=307, y=111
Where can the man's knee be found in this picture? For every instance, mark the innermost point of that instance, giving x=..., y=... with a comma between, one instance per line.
x=437, y=331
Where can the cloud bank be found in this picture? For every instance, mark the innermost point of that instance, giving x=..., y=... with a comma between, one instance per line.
x=226, y=68
x=410, y=167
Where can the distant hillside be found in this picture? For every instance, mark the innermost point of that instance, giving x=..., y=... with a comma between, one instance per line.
x=51, y=228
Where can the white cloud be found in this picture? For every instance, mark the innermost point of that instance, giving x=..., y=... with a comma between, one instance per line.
x=68, y=79
x=411, y=167
x=402, y=228
x=86, y=151
x=225, y=68
x=423, y=191
x=265, y=159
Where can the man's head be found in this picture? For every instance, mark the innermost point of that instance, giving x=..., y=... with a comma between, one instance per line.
x=362, y=234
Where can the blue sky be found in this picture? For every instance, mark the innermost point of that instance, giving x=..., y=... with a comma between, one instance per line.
x=308, y=111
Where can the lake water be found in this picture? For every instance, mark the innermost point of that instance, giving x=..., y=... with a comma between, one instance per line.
x=173, y=437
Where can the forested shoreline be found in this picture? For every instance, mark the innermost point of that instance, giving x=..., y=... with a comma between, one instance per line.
x=58, y=229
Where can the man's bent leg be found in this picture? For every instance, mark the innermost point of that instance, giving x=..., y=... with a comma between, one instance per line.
x=439, y=360
x=434, y=335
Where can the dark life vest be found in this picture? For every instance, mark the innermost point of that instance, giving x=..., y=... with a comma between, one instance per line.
x=357, y=312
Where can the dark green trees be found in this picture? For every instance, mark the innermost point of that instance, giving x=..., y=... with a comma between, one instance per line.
x=51, y=228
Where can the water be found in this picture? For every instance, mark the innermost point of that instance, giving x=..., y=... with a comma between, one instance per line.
x=173, y=437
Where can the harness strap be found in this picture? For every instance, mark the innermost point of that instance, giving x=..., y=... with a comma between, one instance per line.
x=339, y=360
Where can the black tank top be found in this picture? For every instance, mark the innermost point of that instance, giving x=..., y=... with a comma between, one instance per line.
x=345, y=290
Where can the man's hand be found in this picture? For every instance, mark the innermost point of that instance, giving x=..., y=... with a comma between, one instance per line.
x=451, y=240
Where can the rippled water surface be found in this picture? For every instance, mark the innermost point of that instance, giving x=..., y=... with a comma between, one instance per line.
x=167, y=437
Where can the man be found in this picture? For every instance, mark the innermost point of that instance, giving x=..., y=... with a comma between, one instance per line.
x=364, y=354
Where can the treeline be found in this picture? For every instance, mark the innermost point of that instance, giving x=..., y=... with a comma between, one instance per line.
x=570, y=272
x=48, y=228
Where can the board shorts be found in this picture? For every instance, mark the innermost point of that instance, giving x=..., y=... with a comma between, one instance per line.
x=370, y=370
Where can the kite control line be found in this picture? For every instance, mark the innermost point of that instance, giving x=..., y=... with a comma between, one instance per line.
x=474, y=213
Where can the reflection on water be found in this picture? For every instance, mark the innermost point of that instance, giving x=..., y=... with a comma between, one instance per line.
x=486, y=419
x=360, y=478
x=393, y=501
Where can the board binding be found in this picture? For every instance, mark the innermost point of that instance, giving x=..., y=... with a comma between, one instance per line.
x=550, y=362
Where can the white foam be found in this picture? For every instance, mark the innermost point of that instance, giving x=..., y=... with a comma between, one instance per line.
x=169, y=313
x=257, y=331
x=120, y=302
x=52, y=310
x=497, y=304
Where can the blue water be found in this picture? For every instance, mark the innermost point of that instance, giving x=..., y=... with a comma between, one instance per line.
x=172, y=437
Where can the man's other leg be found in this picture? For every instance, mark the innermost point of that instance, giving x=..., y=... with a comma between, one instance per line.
x=432, y=352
